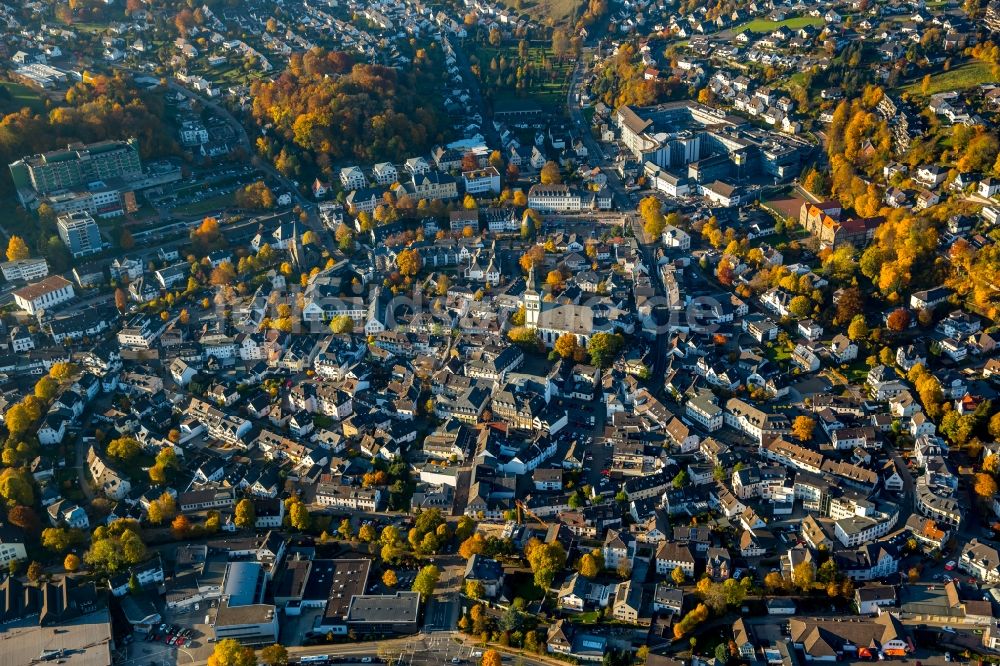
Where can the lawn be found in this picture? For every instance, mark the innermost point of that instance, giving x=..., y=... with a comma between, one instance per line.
x=559, y=12
x=585, y=618
x=969, y=75
x=857, y=372
x=523, y=585
x=763, y=25
x=20, y=96
x=778, y=353
x=206, y=206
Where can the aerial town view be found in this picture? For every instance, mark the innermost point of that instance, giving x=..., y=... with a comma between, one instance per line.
x=499, y=332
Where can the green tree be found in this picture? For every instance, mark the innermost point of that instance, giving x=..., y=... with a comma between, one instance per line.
x=475, y=589
x=123, y=448
x=604, y=347
x=16, y=487
x=366, y=533
x=57, y=539
x=116, y=547
x=800, y=307
x=426, y=580
x=680, y=480
x=18, y=419
x=465, y=528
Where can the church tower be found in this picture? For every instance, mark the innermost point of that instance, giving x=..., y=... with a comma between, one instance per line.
x=294, y=246
x=532, y=301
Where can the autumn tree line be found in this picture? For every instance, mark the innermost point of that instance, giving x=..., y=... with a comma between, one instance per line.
x=326, y=108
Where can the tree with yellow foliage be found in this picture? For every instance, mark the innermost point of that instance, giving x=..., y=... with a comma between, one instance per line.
x=17, y=249
x=229, y=652
x=802, y=428
x=986, y=486
x=409, y=262
x=550, y=174
x=566, y=345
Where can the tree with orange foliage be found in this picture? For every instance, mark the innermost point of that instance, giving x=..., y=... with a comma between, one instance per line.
x=474, y=545
x=184, y=21
x=898, y=319
x=224, y=274
x=725, y=273
x=802, y=428
x=207, y=236
x=986, y=486
x=180, y=527
x=532, y=258
x=409, y=262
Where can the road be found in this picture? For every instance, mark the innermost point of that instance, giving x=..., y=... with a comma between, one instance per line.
x=241, y=133
x=488, y=130
x=909, y=490
x=620, y=198
x=444, y=609
x=421, y=649
x=81, y=470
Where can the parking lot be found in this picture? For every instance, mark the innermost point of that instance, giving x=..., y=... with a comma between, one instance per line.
x=182, y=638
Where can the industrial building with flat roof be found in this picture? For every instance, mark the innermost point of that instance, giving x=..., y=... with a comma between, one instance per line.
x=339, y=581
x=242, y=615
x=705, y=144
x=384, y=613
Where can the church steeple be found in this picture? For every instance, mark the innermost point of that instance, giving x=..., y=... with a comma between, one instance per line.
x=294, y=248
x=532, y=302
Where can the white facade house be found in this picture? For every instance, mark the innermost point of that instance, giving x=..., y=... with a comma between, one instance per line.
x=353, y=178
x=25, y=269
x=554, y=198
x=45, y=294
x=482, y=181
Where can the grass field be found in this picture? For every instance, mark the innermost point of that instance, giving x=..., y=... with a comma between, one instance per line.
x=967, y=76
x=548, y=12
x=21, y=96
x=763, y=25
x=206, y=206
x=545, y=90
